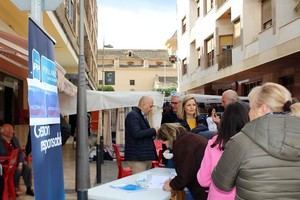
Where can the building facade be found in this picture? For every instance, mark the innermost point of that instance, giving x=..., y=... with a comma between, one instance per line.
x=136, y=69
x=63, y=25
x=237, y=44
x=68, y=16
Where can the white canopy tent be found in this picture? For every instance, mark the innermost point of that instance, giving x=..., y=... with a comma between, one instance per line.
x=105, y=102
x=97, y=100
x=205, y=98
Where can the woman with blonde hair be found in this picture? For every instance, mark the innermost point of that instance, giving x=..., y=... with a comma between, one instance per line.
x=188, y=116
x=188, y=150
x=295, y=108
x=263, y=159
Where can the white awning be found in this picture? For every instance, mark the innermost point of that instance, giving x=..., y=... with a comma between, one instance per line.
x=97, y=100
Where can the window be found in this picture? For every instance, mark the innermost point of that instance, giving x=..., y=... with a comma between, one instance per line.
x=266, y=13
x=131, y=63
x=237, y=32
x=198, y=8
x=287, y=81
x=247, y=87
x=131, y=82
x=11, y=91
x=209, y=5
x=159, y=63
x=225, y=42
x=70, y=12
x=183, y=25
x=184, y=66
x=109, y=78
x=210, y=51
x=225, y=54
x=130, y=54
x=199, y=57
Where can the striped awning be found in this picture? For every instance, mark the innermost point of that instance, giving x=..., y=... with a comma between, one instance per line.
x=14, y=61
x=13, y=55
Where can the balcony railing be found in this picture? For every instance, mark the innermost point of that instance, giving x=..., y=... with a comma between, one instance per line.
x=105, y=65
x=225, y=58
x=157, y=66
x=126, y=65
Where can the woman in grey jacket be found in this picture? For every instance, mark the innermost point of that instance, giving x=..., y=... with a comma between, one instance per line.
x=263, y=160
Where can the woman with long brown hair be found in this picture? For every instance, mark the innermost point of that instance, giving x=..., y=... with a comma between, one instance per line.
x=188, y=150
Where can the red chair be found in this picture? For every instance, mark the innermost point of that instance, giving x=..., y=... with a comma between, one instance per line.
x=9, y=164
x=123, y=171
x=158, y=162
x=158, y=147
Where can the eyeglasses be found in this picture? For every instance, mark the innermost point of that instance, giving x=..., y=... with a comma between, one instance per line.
x=174, y=103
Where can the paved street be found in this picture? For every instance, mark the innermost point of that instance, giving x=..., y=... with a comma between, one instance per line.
x=109, y=173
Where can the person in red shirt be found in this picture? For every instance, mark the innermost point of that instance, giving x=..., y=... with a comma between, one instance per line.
x=9, y=142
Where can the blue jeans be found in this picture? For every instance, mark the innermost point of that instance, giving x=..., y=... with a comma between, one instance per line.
x=169, y=163
x=188, y=195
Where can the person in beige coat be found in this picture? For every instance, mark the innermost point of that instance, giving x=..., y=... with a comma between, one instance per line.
x=263, y=160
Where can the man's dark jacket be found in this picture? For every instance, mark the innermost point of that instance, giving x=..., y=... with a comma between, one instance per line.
x=139, y=145
x=169, y=117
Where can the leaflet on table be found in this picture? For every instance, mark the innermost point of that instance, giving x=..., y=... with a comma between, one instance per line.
x=152, y=181
x=157, y=181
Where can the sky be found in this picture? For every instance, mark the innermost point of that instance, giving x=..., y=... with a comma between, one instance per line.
x=136, y=24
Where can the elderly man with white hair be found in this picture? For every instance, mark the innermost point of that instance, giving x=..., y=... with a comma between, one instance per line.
x=139, y=145
x=8, y=142
x=228, y=97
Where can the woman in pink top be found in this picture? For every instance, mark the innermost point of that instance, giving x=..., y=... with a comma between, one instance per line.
x=233, y=120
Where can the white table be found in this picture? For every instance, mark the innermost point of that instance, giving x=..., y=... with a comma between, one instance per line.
x=106, y=192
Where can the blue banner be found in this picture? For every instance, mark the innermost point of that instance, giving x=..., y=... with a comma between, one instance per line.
x=47, y=162
x=44, y=117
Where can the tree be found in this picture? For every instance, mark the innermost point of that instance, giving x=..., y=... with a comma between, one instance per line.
x=106, y=88
x=297, y=7
x=167, y=91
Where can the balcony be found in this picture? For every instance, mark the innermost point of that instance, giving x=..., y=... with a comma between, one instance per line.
x=157, y=66
x=105, y=65
x=129, y=65
x=225, y=58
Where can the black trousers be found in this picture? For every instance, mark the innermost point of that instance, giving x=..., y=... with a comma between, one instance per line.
x=26, y=174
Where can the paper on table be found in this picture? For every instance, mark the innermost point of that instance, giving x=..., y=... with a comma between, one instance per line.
x=157, y=181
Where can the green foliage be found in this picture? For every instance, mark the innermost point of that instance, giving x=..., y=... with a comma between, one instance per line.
x=106, y=88
x=167, y=91
x=297, y=7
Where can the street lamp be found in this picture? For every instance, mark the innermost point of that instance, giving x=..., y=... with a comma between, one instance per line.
x=104, y=46
x=165, y=75
x=99, y=146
